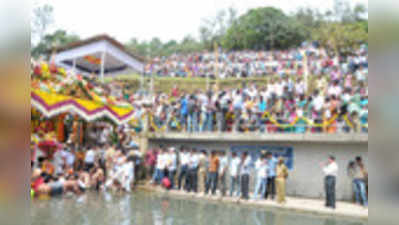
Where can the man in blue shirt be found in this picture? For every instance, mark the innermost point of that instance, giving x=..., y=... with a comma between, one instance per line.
x=271, y=178
x=183, y=112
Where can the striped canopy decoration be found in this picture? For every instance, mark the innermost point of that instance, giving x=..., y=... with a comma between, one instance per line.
x=50, y=104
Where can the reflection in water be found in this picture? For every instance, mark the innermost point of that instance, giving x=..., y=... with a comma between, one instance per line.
x=149, y=209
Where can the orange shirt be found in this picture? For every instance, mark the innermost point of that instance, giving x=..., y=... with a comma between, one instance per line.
x=214, y=164
x=48, y=168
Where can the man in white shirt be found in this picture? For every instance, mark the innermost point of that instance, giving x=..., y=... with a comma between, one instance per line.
x=159, y=168
x=335, y=89
x=90, y=159
x=172, y=164
x=70, y=158
x=261, y=168
x=59, y=161
x=183, y=155
x=234, y=174
x=128, y=174
x=330, y=170
x=318, y=101
x=279, y=88
x=300, y=87
x=193, y=163
x=245, y=172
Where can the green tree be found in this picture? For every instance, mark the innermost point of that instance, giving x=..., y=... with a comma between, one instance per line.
x=309, y=19
x=140, y=48
x=213, y=30
x=189, y=44
x=170, y=47
x=339, y=38
x=155, y=47
x=49, y=41
x=264, y=28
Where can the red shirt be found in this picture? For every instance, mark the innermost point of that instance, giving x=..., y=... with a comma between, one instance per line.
x=36, y=184
x=175, y=92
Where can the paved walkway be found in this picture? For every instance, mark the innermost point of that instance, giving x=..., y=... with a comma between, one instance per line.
x=312, y=206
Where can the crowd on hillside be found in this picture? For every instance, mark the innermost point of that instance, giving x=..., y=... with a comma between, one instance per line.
x=283, y=105
x=338, y=101
x=333, y=98
x=238, y=64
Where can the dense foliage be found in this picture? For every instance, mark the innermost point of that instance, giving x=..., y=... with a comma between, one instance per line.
x=50, y=41
x=264, y=28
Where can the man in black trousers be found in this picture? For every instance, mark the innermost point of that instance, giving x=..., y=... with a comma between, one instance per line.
x=183, y=158
x=330, y=170
x=271, y=175
x=193, y=163
x=245, y=171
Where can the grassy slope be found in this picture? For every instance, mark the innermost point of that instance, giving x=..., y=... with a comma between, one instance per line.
x=165, y=84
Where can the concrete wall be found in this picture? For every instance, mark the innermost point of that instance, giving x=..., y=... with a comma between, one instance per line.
x=306, y=179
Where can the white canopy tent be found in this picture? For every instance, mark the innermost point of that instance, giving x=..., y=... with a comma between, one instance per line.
x=101, y=55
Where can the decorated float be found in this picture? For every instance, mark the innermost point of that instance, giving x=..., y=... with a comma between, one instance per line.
x=60, y=98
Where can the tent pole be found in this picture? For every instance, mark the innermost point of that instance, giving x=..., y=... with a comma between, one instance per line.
x=102, y=66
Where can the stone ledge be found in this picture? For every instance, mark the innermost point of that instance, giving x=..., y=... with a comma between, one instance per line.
x=258, y=137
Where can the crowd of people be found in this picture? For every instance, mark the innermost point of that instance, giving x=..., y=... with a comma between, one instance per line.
x=217, y=173
x=283, y=105
x=204, y=172
x=108, y=159
x=239, y=64
x=333, y=98
x=117, y=168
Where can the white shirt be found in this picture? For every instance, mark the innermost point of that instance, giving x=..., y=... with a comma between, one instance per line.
x=184, y=159
x=245, y=169
x=318, y=103
x=128, y=170
x=331, y=169
x=172, y=162
x=90, y=156
x=300, y=87
x=59, y=157
x=193, y=161
x=223, y=164
x=104, y=136
x=279, y=89
x=161, y=161
x=335, y=90
x=265, y=94
x=237, y=100
x=234, y=166
x=70, y=158
x=261, y=168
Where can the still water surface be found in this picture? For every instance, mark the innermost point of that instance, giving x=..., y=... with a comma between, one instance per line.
x=151, y=209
